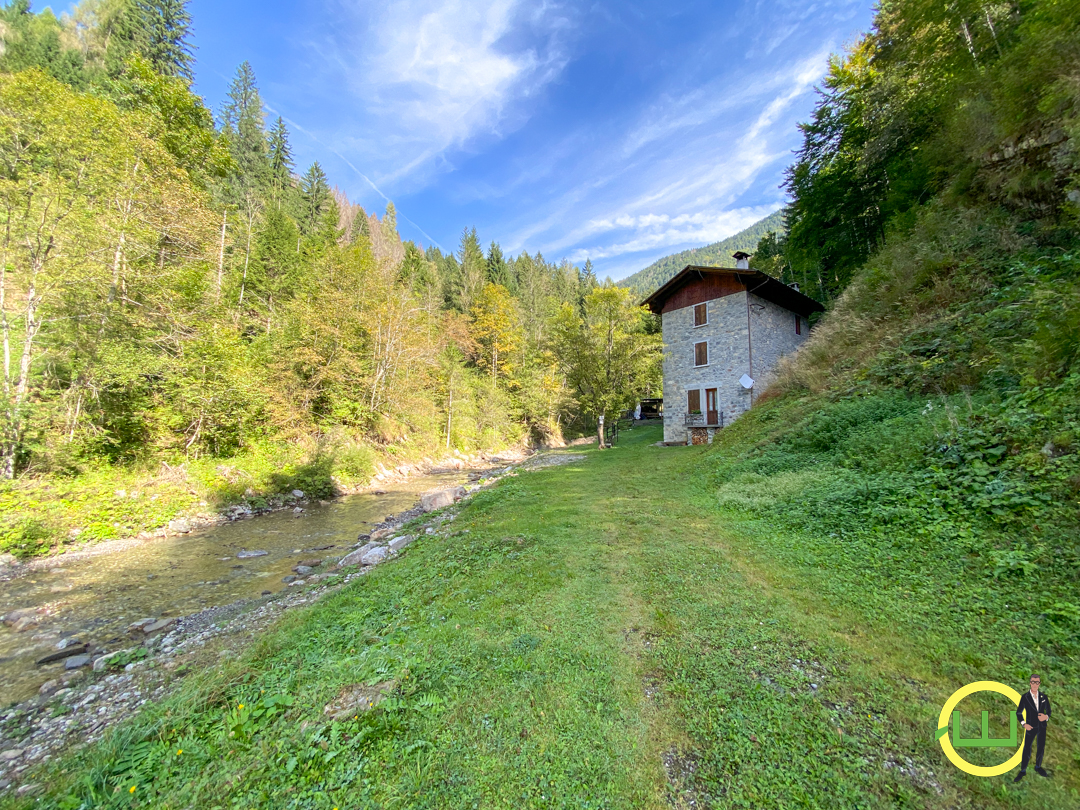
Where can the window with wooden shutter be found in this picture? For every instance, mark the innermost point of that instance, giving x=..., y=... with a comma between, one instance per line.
x=701, y=354
x=701, y=314
x=798, y=325
x=693, y=400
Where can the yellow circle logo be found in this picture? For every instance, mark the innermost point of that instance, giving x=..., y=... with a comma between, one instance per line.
x=943, y=729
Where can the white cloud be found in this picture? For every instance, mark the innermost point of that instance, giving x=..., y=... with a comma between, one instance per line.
x=701, y=161
x=662, y=232
x=435, y=74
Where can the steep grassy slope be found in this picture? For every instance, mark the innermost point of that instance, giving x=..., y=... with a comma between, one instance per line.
x=718, y=254
x=927, y=438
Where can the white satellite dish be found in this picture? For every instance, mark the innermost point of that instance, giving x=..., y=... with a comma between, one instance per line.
x=746, y=381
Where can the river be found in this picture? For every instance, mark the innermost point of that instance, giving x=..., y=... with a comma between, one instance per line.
x=94, y=598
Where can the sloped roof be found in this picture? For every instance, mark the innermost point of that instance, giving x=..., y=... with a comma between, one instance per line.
x=760, y=284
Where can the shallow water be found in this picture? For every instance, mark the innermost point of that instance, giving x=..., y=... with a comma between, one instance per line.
x=96, y=598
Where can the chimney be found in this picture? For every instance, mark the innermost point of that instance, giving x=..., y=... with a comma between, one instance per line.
x=794, y=285
x=742, y=260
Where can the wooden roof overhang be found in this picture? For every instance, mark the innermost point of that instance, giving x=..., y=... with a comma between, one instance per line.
x=695, y=285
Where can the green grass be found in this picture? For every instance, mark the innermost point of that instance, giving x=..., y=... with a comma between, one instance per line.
x=601, y=635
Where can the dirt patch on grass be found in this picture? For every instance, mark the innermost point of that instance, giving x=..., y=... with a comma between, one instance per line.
x=681, y=768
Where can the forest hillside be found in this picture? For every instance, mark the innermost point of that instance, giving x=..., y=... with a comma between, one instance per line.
x=190, y=320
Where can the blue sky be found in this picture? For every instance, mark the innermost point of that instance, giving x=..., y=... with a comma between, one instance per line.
x=618, y=130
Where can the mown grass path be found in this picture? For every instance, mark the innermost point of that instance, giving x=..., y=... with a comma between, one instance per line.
x=585, y=636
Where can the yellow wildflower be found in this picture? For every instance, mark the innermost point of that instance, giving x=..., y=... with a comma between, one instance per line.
x=179, y=751
x=132, y=789
x=240, y=706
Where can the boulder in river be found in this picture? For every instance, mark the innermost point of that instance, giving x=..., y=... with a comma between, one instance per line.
x=60, y=655
x=436, y=499
x=159, y=626
x=180, y=526
x=303, y=570
x=245, y=554
x=77, y=661
x=136, y=628
x=355, y=557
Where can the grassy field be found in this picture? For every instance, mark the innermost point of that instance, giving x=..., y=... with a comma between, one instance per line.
x=597, y=635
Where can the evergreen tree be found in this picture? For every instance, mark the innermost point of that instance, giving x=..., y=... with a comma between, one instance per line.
x=586, y=283
x=315, y=198
x=29, y=40
x=281, y=159
x=360, y=226
x=242, y=122
x=471, y=271
x=165, y=31
x=498, y=272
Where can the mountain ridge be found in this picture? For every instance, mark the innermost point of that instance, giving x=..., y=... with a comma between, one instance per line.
x=715, y=254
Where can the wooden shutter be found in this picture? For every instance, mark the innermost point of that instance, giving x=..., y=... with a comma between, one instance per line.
x=701, y=353
x=701, y=315
x=693, y=400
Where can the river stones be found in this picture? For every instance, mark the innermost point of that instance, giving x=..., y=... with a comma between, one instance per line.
x=180, y=526
x=245, y=554
x=398, y=543
x=60, y=655
x=288, y=579
x=436, y=499
x=159, y=626
x=303, y=570
x=150, y=627
x=354, y=557
x=22, y=619
x=77, y=661
x=137, y=627
x=297, y=493
x=312, y=563
x=375, y=556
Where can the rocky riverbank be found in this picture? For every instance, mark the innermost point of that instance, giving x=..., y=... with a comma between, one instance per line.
x=98, y=687
x=295, y=500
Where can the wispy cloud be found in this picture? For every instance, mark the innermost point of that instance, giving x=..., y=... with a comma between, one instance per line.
x=434, y=75
x=697, y=154
x=658, y=231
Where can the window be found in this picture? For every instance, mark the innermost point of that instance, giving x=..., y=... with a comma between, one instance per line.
x=693, y=400
x=701, y=314
x=701, y=354
x=798, y=325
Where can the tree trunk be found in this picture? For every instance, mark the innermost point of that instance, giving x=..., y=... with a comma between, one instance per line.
x=600, y=432
x=247, y=258
x=221, y=253
x=449, y=412
x=16, y=399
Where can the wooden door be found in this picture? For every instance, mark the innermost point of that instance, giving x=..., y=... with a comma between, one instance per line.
x=712, y=407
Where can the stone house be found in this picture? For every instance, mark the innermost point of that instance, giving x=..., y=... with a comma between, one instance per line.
x=724, y=331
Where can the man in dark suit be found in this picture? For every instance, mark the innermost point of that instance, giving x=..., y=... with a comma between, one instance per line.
x=1034, y=713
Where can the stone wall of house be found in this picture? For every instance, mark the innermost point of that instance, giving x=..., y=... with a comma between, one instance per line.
x=772, y=335
x=726, y=333
x=771, y=330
